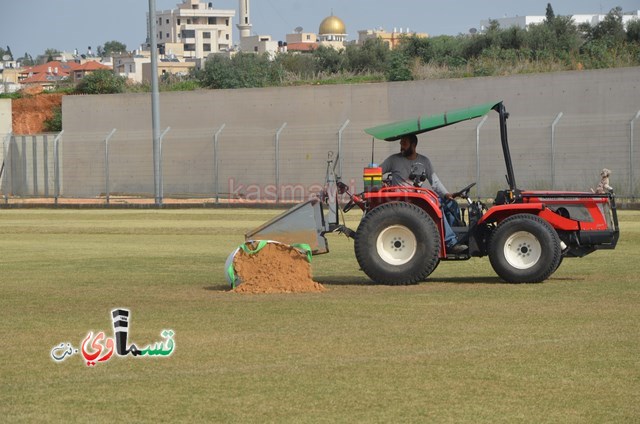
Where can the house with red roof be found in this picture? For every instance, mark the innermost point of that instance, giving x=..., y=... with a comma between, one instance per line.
x=52, y=73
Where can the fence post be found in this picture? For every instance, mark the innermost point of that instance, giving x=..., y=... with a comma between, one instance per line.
x=159, y=201
x=632, y=193
x=107, y=189
x=553, y=150
x=34, y=143
x=5, y=168
x=340, y=131
x=56, y=166
x=45, y=163
x=24, y=187
x=216, y=163
x=480, y=124
x=278, y=162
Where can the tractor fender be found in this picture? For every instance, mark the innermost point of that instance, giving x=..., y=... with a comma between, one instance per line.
x=499, y=213
x=425, y=200
x=502, y=212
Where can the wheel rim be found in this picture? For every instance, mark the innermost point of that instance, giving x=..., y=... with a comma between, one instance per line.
x=522, y=250
x=396, y=245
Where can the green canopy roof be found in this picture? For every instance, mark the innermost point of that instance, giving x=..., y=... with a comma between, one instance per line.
x=424, y=123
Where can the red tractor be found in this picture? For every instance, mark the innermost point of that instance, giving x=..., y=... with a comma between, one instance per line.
x=400, y=239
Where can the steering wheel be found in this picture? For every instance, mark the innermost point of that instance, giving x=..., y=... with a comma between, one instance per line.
x=464, y=192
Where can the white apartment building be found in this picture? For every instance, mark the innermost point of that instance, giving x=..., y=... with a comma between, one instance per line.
x=194, y=30
x=525, y=21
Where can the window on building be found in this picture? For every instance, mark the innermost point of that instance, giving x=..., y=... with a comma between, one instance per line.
x=160, y=35
x=212, y=21
x=178, y=21
x=189, y=47
x=194, y=6
x=206, y=35
x=188, y=21
x=226, y=22
x=131, y=68
x=227, y=36
x=188, y=33
x=206, y=47
x=167, y=21
x=167, y=35
x=255, y=49
x=308, y=37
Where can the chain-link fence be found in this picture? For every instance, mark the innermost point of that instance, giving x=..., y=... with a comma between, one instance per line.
x=288, y=162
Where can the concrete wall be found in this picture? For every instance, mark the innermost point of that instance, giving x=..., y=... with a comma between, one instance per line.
x=593, y=133
x=5, y=127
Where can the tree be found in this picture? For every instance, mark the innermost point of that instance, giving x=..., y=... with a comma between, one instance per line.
x=611, y=26
x=633, y=31
x=399, y=69
x=27, y=60
x=301, y=65
x=550, y=16
x=372, y=56
x=114, y=47
x=102, y=81
x=244, y=70
x=54, y=124
x=328, y=59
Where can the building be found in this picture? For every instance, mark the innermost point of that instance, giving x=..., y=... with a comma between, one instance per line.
x=53, y=73
x=130, y=65
x=391, y=39
x=525, y=21
x=167, y=67
x=332, y=32
x=301, y=41
x=259, y=44
x=194, y=30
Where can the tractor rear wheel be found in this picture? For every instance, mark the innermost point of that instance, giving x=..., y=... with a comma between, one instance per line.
x=397, y=243
x=525, y=249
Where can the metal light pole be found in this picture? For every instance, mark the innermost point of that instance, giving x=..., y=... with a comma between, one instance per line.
x=155, y=102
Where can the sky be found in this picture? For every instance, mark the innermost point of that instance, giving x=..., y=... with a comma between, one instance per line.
x=35, y=25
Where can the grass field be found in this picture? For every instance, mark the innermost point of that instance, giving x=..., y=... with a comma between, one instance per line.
x=461, y=347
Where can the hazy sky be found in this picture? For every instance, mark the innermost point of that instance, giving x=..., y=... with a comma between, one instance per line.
x=35, y=25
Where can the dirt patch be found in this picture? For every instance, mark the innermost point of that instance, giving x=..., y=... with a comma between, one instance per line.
x=29, y=113
x=277, y=268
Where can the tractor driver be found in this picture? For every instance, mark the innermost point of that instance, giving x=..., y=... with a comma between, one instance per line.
x=402, y=165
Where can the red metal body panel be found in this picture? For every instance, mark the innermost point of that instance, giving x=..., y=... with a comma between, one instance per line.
x=599, y=222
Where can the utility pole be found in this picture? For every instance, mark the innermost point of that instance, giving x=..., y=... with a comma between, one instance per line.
x=155, y=102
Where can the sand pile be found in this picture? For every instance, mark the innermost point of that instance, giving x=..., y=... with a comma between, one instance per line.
x=276, y=268
x=30, y=112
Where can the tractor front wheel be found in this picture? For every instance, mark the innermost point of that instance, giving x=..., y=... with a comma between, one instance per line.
x=525, y=249
x=397, y=243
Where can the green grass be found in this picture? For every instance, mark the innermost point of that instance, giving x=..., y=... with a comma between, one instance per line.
x=462, y=347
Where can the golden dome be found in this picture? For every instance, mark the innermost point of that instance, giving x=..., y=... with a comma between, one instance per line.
x=332, y=25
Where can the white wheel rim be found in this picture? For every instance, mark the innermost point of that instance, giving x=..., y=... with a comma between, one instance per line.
x=522, y=250
x=396, y=245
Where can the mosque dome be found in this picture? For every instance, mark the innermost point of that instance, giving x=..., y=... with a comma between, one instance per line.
x=332, y=25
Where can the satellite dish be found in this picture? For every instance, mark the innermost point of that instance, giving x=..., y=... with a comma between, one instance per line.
x=472, y=31
x=6, y=58
x=298, y=30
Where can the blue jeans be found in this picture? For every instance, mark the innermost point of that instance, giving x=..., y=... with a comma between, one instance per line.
x=450, y=238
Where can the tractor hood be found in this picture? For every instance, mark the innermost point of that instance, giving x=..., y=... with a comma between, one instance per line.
x=395, y=130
